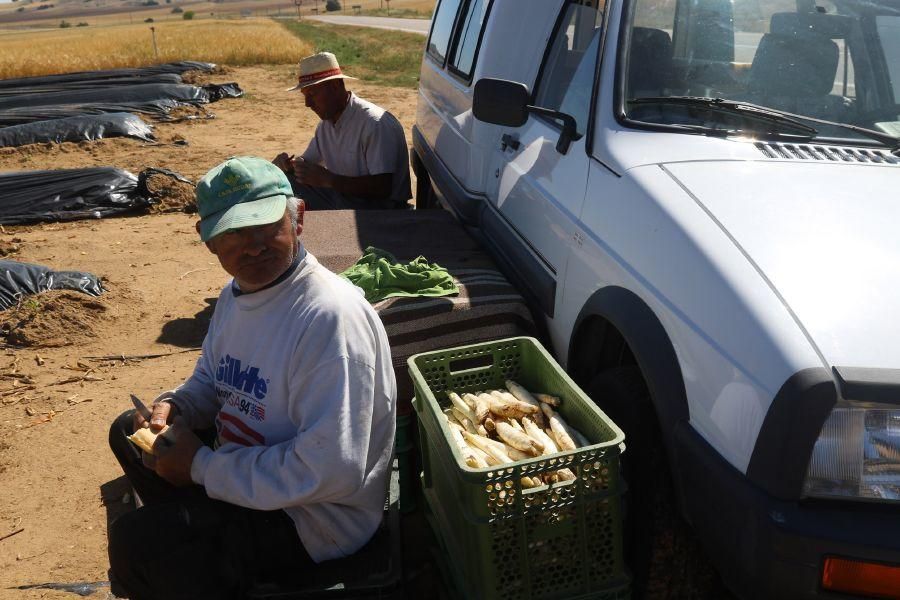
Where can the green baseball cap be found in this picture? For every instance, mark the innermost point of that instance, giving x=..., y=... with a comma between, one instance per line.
x=243, y=191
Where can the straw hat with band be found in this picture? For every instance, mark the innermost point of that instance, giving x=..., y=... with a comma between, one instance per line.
x=318, y=68
x=243, y=191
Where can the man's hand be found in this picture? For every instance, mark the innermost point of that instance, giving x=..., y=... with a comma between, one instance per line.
x=283, y=161
x=161, y=414
x=175, y=450
x=312, y=174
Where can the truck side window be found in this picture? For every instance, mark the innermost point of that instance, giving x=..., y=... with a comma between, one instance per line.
x=889, y=34
x=567, y=76
x=472, y=25
x=442, y=29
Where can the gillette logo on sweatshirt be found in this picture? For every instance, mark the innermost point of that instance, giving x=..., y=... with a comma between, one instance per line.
x=241, y=389
x=247, y=381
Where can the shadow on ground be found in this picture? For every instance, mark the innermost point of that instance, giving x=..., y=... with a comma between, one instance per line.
x=188, y=332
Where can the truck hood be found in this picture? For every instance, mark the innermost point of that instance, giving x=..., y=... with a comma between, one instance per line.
x=826, y=237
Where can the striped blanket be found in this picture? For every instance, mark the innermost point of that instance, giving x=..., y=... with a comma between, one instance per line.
x=488, y=307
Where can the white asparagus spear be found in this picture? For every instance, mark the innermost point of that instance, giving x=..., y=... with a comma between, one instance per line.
x=547, y=399
x=487, y=458
x=518, y=439
x=558, y=426
x=463, y=420
x=468, y=456
x=506, y=407
x=482, y=408
x=526, y=398
x=537, y=433
x=565, y=474
x=460, y=404
x=516, y=402
x=521, y=393
x=478, y=441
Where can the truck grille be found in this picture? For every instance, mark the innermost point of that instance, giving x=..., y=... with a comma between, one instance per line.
x=826, y=153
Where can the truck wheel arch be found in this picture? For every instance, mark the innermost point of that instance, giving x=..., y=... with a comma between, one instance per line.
x=616, y=311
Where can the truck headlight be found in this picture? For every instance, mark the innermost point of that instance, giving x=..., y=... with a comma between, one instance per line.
x=857, y=454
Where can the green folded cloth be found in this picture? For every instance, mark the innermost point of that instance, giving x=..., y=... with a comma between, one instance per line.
x=380, y=276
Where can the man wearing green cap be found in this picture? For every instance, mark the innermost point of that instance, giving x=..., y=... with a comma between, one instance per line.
x=296, y=392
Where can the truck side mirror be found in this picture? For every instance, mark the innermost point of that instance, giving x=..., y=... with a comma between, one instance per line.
x=500, y=102
x=503, y=102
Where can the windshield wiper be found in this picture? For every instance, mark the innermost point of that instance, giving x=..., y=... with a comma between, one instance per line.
x=770, y=114
x=893, y=143
x=735, y=107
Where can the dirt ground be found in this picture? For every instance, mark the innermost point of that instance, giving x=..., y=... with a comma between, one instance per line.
x=59, y=483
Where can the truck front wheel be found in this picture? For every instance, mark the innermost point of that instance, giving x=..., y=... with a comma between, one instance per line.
x=662, y=553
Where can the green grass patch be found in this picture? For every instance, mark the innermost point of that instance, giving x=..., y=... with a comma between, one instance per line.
x=378, y=56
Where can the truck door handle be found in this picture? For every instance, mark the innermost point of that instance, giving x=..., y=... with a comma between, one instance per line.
x=509, y=141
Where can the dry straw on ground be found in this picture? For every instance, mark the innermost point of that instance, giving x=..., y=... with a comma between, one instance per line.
x=245, y=42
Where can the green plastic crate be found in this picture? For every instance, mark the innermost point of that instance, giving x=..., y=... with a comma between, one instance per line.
x=502, y=541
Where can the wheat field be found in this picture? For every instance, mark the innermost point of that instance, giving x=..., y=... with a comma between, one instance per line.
x=232, y=42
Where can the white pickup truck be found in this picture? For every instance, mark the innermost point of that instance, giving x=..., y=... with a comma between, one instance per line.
x=701, y=200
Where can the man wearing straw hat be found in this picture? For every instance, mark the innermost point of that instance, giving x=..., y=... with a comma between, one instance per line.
x=358, y=158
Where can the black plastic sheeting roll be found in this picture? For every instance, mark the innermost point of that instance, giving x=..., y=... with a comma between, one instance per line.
x=27, y=114
x=72, y=194
x=18, y=279
x=77, y=129
x=68, y=195
x=179, y=92
x=177, y=67
x=88, y=84
x=217, y=91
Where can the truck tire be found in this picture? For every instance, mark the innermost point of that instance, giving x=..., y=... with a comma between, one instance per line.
x=661, y=551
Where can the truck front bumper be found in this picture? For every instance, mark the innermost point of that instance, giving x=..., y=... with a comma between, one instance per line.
x=768, y=548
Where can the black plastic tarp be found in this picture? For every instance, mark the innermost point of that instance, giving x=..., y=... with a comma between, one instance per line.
x=88, y=84
x=177, y=67
x=18, y=279
x=26, y=114
x=179, y=92
x=72, y=194
x=68, y=194
x=217, y=91
x=77, y=129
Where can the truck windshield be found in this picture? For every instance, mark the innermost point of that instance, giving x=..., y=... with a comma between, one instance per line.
x=837, y=61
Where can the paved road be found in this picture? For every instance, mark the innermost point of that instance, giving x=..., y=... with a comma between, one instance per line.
x=419, y=26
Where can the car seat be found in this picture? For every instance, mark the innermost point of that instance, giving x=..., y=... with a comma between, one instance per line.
x=649, y=62
x=794, y=70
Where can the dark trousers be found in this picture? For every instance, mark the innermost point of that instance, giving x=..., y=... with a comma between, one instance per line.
x=183, y=544
x=316, y=198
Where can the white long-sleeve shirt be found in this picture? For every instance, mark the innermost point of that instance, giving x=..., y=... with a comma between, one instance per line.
x=297, y=379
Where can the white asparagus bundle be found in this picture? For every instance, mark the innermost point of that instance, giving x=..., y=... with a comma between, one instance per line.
x=497, y=427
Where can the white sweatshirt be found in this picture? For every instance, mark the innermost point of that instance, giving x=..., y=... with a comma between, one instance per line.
x=297, y=379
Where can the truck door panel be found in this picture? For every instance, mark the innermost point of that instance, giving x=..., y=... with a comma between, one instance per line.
x=536, y=189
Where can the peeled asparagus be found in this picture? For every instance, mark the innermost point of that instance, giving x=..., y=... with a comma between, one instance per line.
x=560, y=431
x=499, y=427
x=461, y=406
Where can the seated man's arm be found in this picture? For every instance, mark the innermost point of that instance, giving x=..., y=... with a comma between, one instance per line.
x=195, y=400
